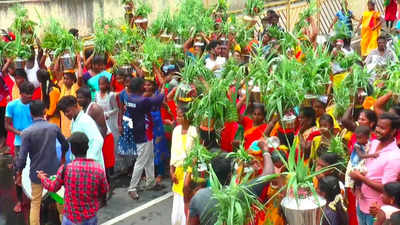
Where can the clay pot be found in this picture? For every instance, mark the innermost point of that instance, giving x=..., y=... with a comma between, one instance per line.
x=142, y=22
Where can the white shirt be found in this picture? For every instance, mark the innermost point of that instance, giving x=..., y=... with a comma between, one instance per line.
x=210, y=64
x=32, y=74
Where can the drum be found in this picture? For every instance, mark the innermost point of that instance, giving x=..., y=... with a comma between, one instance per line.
x=26, y=181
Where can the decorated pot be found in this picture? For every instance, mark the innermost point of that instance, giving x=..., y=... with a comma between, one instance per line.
x=288, y=121
x=305, y=211
x=68, y=61
x=127, y=69
x=19, y=63
x=250, y=20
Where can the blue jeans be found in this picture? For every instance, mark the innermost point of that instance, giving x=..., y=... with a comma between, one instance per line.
x=91, y=221
x=363, y=218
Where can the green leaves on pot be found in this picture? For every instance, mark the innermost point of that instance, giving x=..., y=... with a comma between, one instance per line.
x=338, y=147
x=124, y=58
x=393, y=81
x=254, y=7
x=302, y=22
x=341, y=97
x=163, y=23
x=240, y=155
x=22, y=24
x=154, y=51
x=235, y=202
x=106, y=33
x=198, y=155
x=347, y=61
x=358, y=79
x=52, y=36
x=143, y=9
x=17, y=48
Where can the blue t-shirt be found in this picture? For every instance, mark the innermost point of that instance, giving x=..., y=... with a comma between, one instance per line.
x=20, y=115
x=345, y=19
x=93, y=83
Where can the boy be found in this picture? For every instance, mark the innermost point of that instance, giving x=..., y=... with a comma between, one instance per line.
x=17, y=118
x=84, y=181
x=358, y=156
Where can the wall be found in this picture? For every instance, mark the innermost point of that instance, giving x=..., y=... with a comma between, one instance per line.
x=82, y=13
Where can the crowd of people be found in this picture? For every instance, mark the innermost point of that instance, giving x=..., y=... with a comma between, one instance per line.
x=84, y=126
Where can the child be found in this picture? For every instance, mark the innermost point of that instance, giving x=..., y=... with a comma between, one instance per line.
x=81, y=201
x=360, y=152
x=391, y=201
x=334, y=212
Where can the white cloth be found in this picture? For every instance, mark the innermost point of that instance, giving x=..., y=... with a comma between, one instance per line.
x=177, y=155
x=32, y=74
x=178, y=210
x=210, y=64
x=144, y=161
x=110, y=107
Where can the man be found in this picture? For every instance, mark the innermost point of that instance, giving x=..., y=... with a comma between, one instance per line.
x=39, y=141
x=202, y=206
x=380, y=170
x=381, y=56
x=215, y=62
x=140, y=107
x=18, y=117
x=97, y=113
x=81, y=122
x=84, y=181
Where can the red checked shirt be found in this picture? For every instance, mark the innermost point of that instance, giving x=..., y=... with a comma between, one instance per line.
x=84, y=182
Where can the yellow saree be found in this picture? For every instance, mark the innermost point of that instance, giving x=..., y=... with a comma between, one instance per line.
x=369, y=37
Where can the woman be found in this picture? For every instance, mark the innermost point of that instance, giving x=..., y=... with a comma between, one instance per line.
x=344, y=18
x=390, y=13
x=107, y=100
x=321, y=143
x=50, y=96
x=320, y=107
x=182, y=140
x=370, y=29
x=69, y=86
x=306, y=131
x=334, y=212
x=161, y=151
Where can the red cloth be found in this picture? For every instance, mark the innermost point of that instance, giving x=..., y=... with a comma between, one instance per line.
x=168, y=112
x=85, y=183
x=228, y=136
x=391, y=11
x=108, y=151
x=351, y=207
x=10, y=136
x=252, y=133
x=10, y=37
x=117, y=86
x=37, y=94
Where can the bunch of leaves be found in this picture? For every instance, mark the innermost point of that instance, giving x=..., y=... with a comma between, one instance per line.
x=342, y=31
x=17, y=48
x=299, y=175
x=152, y=52
x=240, y=155
x=235, y=202
x=337, y=146
x=170, y=51
x=358, y=79
x=129, y=37
x=341, y=97
x=254, y=7
x=284, y=89
x=197, y=156
x=347, y=61
x=191, y=18
x=307, y=13
x=195, y=70
x=244, y=35
x=53, y=33
x=67, y=43
x=213, y=105
x=316, y=70
x=163, y=23
x=393, y=81
x=396, y=47
x=106, y=33
x=124, y=57
x=22, y=23
x=221, y=6
x=143, y=9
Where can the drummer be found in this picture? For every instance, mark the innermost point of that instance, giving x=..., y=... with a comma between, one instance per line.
x=39, y=141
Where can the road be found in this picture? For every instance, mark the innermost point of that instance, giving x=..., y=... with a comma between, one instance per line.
x=153, y=207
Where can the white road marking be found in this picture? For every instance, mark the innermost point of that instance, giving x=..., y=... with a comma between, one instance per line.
x=147, y=205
